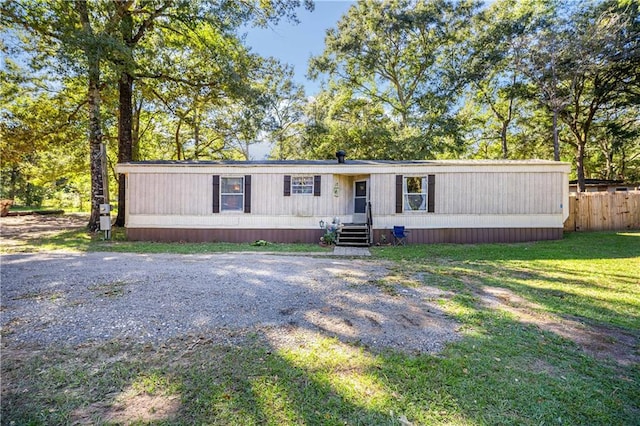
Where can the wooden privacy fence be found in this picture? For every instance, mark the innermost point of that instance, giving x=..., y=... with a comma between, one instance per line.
x=603, y=211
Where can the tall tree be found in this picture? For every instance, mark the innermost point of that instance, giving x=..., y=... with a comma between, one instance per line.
x=337, y=120
x=407, y=56
x=97, y=151
x=618, y=142
x=137, y=18
x=585, y=63
x=284, y=101
x=67, y=32
x=121, y=33
x=495, y=82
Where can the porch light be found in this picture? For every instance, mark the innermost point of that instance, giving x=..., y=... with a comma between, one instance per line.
x=321, y=224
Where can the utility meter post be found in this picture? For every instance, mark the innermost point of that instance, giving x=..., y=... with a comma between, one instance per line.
x=105, y=220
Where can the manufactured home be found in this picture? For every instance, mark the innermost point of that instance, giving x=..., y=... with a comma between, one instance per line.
x=603, y=185
x=458, y=201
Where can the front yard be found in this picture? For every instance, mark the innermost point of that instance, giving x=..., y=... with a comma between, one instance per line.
x=549, y=334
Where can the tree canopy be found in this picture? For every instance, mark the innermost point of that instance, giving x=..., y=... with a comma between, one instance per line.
x=179, y=52
x=403, y=56
x=85, y=85
x=513, y=79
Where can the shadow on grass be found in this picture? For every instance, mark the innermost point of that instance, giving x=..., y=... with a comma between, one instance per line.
x=502, y=373
x=609, y=300
x=592, y=276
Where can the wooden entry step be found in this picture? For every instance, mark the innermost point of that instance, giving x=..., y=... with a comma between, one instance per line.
x=354, y=235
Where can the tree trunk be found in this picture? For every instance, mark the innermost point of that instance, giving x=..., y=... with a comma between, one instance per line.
x=609, y=172
x=503, y=139
x=622, y=171
x=28, y=193
x=135, y=133
x=95, y=152
x=125, y=110
x=13, y=182
x=179, y=155
x=196, y=137
x=556, y=141
x=95, y=131
x=125, y=119
x=580, y=166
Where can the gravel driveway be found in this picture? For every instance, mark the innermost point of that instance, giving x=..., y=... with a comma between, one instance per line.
x=76, y=298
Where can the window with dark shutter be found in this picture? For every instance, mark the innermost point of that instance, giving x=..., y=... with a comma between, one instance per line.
x=399, y=193
x=415, y=193
x=287, y=185
x=301, y=185
x=232, y=194
x=216, y=194
x=317, y=180
x=247, y=194
x=431, y=191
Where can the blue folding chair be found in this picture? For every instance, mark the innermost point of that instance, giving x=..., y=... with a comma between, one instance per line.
x=399, y=236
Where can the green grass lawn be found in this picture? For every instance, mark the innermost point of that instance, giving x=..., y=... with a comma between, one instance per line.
x=503, y=370
x=81, y=240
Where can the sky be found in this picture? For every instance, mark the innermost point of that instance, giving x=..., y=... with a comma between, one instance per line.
x=294, y=44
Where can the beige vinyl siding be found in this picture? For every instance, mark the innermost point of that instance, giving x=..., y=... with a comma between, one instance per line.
x=268, y=196
x=191, y=195
x=499, y=193
x=170, y=194
x=383, y=190
x=249, y=221
x=343, y=203
x=478, y=193
x=456, y=193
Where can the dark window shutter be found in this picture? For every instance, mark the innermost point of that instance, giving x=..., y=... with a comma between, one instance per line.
x=399, y=194
x=287, y=185
x=317, y=180
x=247, y=194
x=216, y=194
x=431, y=193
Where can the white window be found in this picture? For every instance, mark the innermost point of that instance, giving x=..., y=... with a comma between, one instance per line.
x=232, y=194
x=415, y=193
x=302, y=185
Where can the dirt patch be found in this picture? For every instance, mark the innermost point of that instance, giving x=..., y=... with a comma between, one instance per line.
x=17, y=230
x=600, y=341
x=129, y=408
x=541, y=366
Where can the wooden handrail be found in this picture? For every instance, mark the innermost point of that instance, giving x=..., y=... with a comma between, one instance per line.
x=369, y=221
